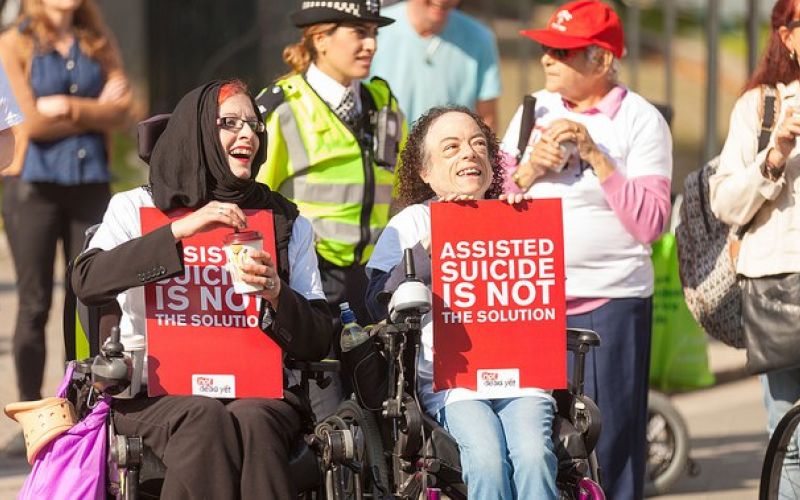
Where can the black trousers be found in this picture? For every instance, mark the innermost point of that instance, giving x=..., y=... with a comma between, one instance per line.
x=36, y=217
x=340, y=284
x=214, y=449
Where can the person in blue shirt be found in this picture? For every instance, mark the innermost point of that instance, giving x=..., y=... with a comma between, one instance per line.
x=66, y=74
x=434, y=55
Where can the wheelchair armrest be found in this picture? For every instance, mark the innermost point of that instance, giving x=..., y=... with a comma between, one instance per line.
x=581, y=339
x=323, y=366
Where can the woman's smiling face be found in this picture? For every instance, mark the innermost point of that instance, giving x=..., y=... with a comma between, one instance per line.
x=456, y=157
x=240, y=146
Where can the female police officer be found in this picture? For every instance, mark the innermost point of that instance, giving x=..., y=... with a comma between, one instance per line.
x=333, y=143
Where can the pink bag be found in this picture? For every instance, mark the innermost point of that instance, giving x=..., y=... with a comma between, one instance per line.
x=73, y=465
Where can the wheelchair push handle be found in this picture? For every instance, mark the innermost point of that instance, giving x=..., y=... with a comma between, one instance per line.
x=408, y=257
x=582, y=339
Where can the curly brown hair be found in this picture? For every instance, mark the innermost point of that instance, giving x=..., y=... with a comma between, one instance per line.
x=411, y=189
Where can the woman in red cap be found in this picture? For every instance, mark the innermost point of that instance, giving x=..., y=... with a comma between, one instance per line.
x=607, y=153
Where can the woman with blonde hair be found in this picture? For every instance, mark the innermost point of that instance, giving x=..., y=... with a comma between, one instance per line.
x=326, y=151
x=66, y=73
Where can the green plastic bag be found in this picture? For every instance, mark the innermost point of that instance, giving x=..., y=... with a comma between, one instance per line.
x=678, y=356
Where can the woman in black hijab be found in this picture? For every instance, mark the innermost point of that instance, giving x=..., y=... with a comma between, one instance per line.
x=206, y=160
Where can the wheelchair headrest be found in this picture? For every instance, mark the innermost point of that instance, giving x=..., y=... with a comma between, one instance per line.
x=147, y=132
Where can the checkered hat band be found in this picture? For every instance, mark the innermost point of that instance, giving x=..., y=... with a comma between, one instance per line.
x=347, y=7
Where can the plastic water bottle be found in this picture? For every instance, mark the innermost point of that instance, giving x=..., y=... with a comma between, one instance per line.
x=352, y=333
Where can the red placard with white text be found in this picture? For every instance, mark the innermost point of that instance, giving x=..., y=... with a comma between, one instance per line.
x=202, y=337
x=499, y=306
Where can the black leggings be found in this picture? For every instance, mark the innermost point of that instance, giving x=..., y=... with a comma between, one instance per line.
x=36, y=217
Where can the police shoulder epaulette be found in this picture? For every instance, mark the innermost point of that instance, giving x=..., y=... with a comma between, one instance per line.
x=269, y=99
x=379, y=79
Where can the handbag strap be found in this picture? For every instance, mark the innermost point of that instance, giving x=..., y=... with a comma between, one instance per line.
x=769, y=97
x=767, y=116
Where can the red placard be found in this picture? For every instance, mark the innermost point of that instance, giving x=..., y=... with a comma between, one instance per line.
x=499, y=309
x=202, y=337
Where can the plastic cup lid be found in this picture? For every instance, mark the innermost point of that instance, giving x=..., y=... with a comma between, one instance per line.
x=241, y=237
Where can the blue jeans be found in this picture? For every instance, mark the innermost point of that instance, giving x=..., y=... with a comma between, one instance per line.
x=506, y=446
x=781, y=391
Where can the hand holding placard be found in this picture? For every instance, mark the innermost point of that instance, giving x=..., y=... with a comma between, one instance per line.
x=499, y=305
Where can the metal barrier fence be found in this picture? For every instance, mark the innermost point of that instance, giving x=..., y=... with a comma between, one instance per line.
x=172, y=45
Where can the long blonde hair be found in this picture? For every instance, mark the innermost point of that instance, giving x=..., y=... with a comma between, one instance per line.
x=300, y=55
x=87, y=23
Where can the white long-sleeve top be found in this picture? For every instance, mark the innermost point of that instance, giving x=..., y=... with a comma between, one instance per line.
x=740, y=194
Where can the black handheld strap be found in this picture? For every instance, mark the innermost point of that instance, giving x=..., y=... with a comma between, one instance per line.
x=767, y=118
x=526, y=125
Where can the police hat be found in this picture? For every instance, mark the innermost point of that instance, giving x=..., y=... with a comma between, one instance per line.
x=333, y=11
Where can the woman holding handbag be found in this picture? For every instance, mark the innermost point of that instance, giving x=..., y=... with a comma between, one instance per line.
x=754, y=189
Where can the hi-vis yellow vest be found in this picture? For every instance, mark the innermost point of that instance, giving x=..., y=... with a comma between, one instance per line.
x=316, y=161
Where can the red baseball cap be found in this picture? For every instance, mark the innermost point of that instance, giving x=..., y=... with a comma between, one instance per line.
x=579, y=24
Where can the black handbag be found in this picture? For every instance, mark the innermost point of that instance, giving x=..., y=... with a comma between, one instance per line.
x=771, y=320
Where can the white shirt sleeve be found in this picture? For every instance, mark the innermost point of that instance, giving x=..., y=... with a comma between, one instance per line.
x=304, y=276
x=120, y=222
x=10, y=114
x=509, y=143
x=651, y=145
x=404, y=230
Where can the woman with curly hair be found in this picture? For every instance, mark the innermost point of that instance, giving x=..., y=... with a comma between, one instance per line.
x=505, y=443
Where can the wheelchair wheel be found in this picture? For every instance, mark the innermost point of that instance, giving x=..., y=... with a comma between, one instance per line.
x=368, y=473
x=667, y=445
x=780, y=476
x=375, y=462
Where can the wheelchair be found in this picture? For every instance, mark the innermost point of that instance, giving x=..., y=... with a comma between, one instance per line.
x=92, y=345
x=404, y=453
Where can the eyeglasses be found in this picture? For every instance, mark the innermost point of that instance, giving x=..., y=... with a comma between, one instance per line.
x=559, y=54
x=793, y=24
x=236, y=124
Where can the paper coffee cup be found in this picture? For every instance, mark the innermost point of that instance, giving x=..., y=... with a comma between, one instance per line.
x=135, y=347
x=238, y=250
